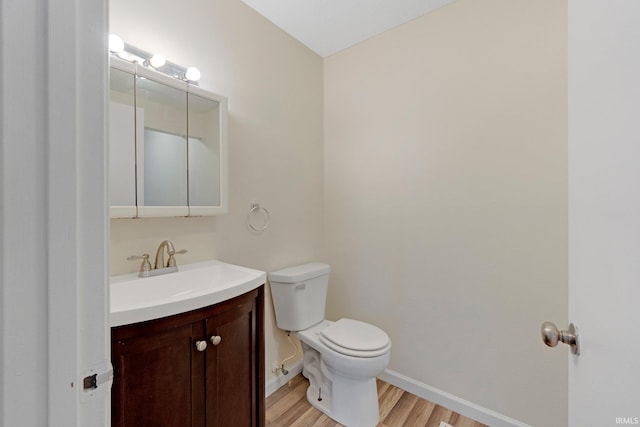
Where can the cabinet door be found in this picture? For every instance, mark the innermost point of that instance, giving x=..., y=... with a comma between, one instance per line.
x=231, y=369
x=159, y=379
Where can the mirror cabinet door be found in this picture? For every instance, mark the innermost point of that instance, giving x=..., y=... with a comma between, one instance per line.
x=204, y=153
x=122, y=155
x=162, y=148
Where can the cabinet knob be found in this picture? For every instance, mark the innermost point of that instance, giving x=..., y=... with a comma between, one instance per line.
x=201, y=345
x=216, y=339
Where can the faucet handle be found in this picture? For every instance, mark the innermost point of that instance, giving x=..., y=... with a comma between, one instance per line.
x=171, y=262
x=145, y=265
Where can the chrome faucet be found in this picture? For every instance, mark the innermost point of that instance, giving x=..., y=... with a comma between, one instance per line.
x=171, y=250
x=159, y=267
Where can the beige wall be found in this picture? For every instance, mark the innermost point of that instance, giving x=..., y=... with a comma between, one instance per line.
x=275, y=91
x=446, y=199
x=444, y=207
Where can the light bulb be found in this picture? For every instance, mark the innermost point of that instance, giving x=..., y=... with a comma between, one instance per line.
x=192, y=74
x=157, y=61
x=116, y=44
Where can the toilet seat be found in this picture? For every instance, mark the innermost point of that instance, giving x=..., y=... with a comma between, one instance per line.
x=355, y=338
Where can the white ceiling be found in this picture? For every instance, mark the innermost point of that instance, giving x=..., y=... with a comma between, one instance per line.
x=329, y=26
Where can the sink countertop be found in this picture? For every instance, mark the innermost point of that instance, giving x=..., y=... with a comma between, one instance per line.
x=137, y=299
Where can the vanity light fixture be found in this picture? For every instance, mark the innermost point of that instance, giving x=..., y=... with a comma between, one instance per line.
x=157, y=61
x=192, y=74
x=116, y=44
x=119, y=48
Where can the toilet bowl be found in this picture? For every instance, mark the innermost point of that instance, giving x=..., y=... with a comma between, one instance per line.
x=341, y=359
x=343, y=386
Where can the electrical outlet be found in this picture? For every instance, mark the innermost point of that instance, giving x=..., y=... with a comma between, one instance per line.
x=443, y=424
x=275, y=367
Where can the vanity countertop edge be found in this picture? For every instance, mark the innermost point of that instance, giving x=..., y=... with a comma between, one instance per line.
x=134, y=299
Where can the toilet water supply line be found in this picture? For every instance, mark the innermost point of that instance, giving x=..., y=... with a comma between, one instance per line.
x=293, y=356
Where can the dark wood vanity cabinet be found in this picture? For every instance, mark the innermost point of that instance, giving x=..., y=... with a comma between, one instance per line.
x=162, y=378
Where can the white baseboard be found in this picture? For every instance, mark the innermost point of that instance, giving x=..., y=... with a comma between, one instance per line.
x=276, y=382
x=449, y=401
x=432, y=394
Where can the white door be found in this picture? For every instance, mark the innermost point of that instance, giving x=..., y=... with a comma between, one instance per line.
x=604, y=211
x=53, y=213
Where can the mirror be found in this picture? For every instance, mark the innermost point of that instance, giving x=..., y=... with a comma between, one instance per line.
x=204, y=151
x=167, y=146
x=162, y=166
x=122, y=155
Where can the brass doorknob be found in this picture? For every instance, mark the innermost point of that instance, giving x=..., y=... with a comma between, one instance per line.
x=551, y=336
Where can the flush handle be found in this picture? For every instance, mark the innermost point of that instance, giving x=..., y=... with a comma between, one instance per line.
x=551, y=336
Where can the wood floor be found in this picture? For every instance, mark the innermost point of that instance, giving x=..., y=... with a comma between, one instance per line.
x=288, y=407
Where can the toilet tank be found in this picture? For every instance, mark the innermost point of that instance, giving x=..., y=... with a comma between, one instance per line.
x=299, y=295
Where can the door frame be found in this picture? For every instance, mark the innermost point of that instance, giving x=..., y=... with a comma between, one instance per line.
x=604, y=208
x=53, y=212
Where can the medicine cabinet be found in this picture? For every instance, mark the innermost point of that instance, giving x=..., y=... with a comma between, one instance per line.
x=167, y=145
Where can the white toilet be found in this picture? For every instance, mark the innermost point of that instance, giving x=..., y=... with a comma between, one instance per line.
x=342, y=358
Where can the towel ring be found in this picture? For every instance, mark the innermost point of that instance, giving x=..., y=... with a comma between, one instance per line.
x=257, y=209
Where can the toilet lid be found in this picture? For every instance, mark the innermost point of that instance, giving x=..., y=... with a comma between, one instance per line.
x=355, y=338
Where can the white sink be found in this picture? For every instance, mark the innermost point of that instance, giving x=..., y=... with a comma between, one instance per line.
x=135, y=299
